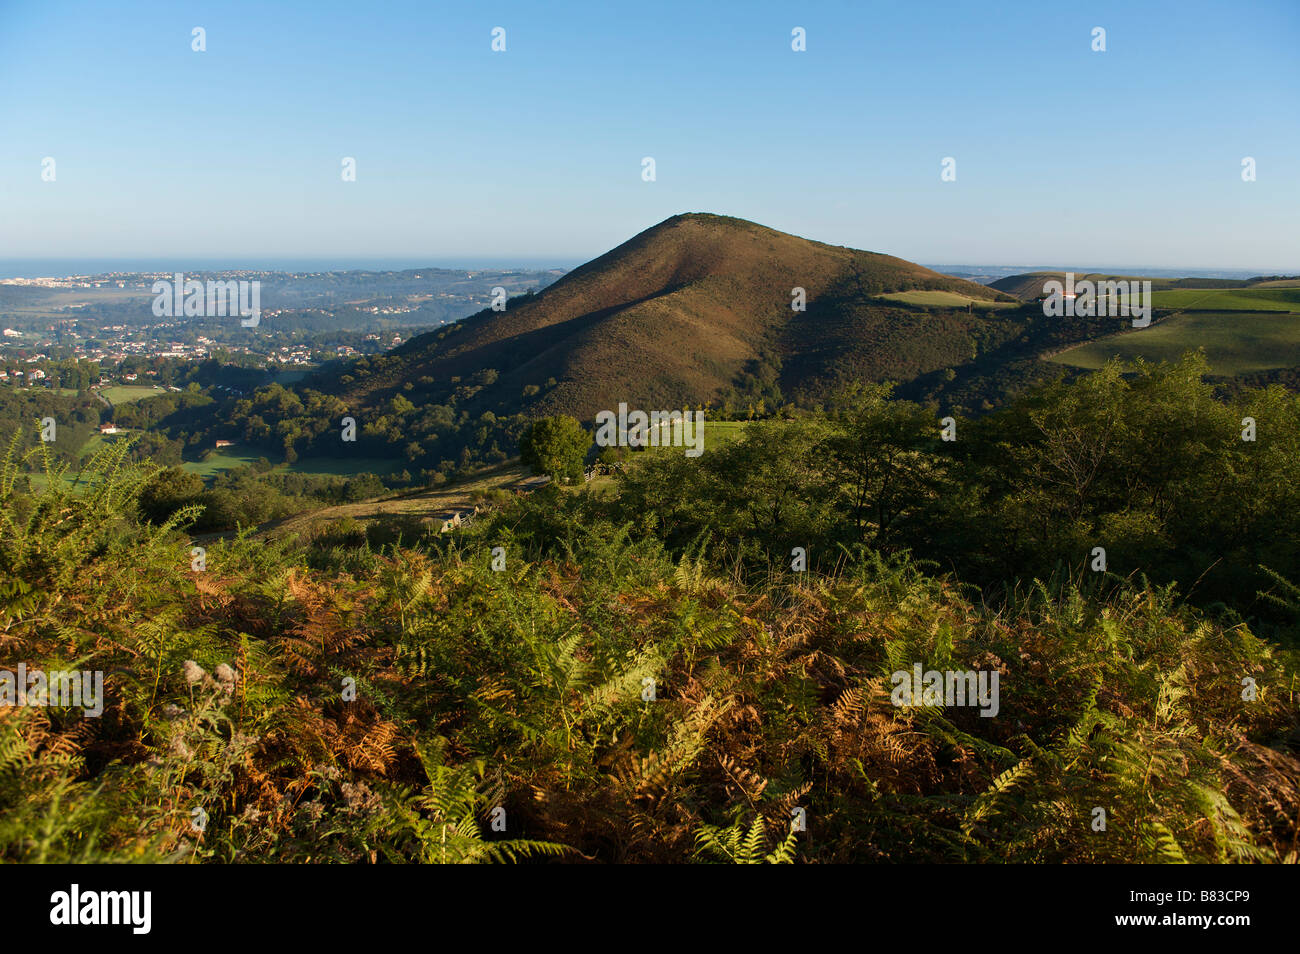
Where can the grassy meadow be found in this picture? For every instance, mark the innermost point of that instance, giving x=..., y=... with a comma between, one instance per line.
x=232, y=458
x=126, y=393
x=1234, y=343
x=1283, y=299
x=944, y=299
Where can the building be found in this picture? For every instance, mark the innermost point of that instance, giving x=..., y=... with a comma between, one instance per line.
x=221, y=444
x=109, y=428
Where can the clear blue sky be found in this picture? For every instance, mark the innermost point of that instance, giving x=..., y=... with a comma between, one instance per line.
x=1063, y=155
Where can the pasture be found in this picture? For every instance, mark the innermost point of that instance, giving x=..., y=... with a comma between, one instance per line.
x=126, y=393
x=1280, y=298
x=716, y=434
x=222, y=461
x=1234, y=343
x=944, y=299
x=235, y=457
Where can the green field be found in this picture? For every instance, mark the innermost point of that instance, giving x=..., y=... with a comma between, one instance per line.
x=93, y=445
x=235, y=458
x=1230, y=299
x=1234, y=343
x=345, y=467
x=126, y=393
x=944, y=299
x=716, y=434
x=221, y=462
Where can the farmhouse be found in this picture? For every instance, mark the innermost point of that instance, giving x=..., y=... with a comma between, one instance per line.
x=221, y=444
x=109, y=428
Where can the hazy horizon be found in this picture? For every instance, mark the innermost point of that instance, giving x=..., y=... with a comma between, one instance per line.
x=73, y=266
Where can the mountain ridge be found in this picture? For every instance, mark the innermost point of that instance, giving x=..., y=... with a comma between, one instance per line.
x=678, y=313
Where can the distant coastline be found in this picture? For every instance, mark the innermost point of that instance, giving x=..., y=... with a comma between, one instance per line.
x=63, y=267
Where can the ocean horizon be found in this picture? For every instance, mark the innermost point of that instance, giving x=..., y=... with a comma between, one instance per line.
x=63, y=267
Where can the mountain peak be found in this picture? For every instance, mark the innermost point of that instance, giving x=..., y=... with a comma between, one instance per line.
x=678, y=314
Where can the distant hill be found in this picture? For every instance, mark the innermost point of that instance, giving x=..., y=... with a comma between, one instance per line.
x=1029, y=285
x=687, y=312
x=1246, y=327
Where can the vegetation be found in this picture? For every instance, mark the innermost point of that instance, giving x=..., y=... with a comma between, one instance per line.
x=700, y=312
x=649, y=678
x=684, y=312
x=127, y=393
x=1230, y=299
x=555, y=446
x=1236, y=343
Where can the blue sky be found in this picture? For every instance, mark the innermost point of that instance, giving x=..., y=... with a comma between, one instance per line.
x=1064, y=156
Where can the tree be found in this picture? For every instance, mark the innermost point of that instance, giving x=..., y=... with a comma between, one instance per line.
x=169, y=491
x=555, y=446
x=876, y=455
x=769, y=485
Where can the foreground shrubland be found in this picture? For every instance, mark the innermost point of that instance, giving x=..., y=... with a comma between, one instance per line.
x=607, y=699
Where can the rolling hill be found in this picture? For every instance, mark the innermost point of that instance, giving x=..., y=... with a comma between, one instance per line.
x=1170, y=292
x=680, y=313
x=696, y=311
x=1245, y=326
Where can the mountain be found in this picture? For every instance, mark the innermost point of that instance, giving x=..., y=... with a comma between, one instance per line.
x=1029, y=285
x=690, y=311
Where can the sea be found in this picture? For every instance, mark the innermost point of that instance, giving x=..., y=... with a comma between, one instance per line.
x=63, y=267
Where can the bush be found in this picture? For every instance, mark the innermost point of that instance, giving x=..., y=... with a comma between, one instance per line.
x=555, y=446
